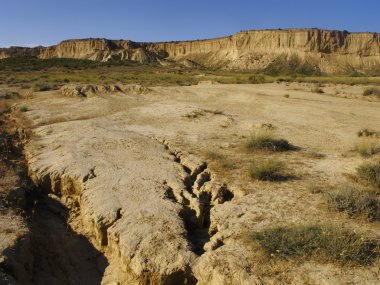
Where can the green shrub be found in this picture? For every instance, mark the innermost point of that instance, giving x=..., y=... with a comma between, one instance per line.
x=267, y=170
x=370, y=172
x=355, y=201
x=371, y=91
x=265, y=140
x=302, y=241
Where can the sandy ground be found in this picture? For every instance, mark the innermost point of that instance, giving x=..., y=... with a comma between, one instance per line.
x=211, y=123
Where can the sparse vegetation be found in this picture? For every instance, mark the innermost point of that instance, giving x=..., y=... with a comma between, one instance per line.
x=368, y=147
x=333, y=243
x=228, y=164
x=24, y=108
x=267, y=170
x=371, y=91
x=257, y=79
x=314, y=155
x=355, y=201
x=265, y=140
x=286, y=96
x=292, y=66
x=39, y=87
x=314, y=188
x=370, y=172
x=25, y=86
x=221, y=159
x=9, y=95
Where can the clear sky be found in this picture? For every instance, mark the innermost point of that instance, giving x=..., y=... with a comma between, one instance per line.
x=46, y=22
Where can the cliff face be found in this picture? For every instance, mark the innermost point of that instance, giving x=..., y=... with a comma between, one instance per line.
x=331, y=51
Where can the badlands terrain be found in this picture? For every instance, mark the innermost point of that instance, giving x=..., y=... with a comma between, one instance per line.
x=122, y=173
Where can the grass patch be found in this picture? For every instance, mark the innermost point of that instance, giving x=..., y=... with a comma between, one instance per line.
x=228, y=164
x=213, y=155
x=257, y=79
x=265, y=140
x=334, y=243
x=371, y=91
x=367, y=147
x=267, y=170
x=25, y=86
x=315, y=188
x=355, y=201
x=24, y=109
x=292, y=66
x=43, y=86
x=370, y=172
x=314, y=155
x=221, y=159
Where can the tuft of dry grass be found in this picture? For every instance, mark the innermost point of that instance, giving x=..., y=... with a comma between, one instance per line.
x=265, y=140
x=335, y=243
x=267, y=170
x=370, y=173
x=355, y=201
x=314, y=188
x=314, y=155
x=367, y=147
x=371, y=91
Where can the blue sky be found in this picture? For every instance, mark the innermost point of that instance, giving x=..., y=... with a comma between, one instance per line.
x=46, y=22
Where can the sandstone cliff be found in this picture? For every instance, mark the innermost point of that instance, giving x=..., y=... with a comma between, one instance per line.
x=329, y=51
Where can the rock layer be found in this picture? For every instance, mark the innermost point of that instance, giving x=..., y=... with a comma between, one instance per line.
x=330, y=51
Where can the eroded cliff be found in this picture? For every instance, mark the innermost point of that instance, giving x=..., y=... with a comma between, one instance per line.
x=329, y=51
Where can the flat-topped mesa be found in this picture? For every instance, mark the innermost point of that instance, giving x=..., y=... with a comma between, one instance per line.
x=329, y=51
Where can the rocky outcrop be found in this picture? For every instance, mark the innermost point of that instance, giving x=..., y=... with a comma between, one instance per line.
x=88, y=90
x=330, y=51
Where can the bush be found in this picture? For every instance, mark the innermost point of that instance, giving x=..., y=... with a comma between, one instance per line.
x=367, y=147
x=302, y=241
x=265, y=140
x=370, y=172
x=355, y=201
x=371, y=91
x=267, y=170
x=43, y=87
x=25, y=86
x=9, y=95
x=256, y=79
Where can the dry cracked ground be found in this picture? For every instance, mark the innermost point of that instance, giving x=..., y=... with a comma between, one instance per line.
x=152, y=187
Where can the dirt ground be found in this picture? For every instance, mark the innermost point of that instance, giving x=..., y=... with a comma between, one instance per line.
x=114, y=135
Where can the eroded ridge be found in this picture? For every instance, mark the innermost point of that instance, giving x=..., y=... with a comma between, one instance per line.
x=113, y=197
x=201, y=193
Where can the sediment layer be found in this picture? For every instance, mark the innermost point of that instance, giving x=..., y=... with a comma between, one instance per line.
x=330, y=51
